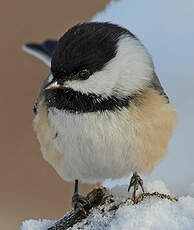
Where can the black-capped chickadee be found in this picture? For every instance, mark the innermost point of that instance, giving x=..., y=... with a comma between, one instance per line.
x=102, y=112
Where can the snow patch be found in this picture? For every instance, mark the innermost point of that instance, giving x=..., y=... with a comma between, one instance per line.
x=150, y=214
x=156, y=214
x=37, y=224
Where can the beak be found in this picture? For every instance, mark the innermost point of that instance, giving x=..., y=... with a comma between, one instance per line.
x=53, y=85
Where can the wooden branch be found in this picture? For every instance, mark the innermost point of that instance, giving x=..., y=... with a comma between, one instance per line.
x=98, y=197
x=146, y=195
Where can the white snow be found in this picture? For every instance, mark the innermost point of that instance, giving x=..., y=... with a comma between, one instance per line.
x=151, y=214
x=36, y=224
x=156, y=214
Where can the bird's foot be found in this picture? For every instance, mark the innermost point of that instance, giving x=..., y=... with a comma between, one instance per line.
x=135, y=182
x=80, y=204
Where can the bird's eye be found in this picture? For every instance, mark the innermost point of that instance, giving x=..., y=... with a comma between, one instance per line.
x=84, y=74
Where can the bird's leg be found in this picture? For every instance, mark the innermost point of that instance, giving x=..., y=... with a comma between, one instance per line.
x=79, y=203
x=135, y=182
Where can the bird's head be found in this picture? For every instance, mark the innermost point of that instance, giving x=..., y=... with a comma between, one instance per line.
x=96, y=62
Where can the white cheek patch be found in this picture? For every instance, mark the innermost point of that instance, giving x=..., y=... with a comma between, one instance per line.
x=128, y=72
x=100, y=83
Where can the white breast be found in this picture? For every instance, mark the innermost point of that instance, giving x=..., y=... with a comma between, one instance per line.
x=92, y=146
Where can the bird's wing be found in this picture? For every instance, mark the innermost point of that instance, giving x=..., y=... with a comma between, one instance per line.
x=42, y=51
x=157, y=85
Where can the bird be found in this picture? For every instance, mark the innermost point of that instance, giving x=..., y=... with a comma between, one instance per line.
x=101, y=112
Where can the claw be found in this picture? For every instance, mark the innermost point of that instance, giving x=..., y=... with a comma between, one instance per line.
x=135, y=182
x=80, y=203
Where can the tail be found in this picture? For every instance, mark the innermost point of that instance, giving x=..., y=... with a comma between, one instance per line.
x=42, y=51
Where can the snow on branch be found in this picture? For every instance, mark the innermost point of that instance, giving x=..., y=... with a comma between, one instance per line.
x=112, y=209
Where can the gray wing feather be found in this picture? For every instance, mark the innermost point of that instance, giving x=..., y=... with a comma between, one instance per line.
x=155, y=84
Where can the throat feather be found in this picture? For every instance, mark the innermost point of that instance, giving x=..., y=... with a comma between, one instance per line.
x=77, y=102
